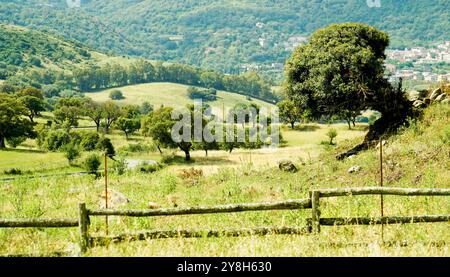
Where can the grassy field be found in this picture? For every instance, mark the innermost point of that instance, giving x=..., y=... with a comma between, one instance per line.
x=164, y=94
x=416, y=157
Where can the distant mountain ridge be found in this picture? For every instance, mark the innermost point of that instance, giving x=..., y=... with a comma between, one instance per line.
x=228, y=35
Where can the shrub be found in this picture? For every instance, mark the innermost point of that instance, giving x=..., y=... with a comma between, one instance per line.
x=71, y=152
x=104, y=144
x=16, y=141
x=13, y=171
x=89, y=141
x=137, y=148
x=120, y=166
x=148, y=168
x=116, y=95
x=92, y=163
x=332, y=134
x=55, y=139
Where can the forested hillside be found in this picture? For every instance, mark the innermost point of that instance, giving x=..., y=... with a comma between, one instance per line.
x=60, y=67
x=224, y=34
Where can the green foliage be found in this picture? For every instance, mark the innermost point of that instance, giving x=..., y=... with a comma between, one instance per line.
x=332, y=134
x=116, y=95
x=16, y=141
x=91, y=163
x=12, y=121
x=33, y=100
x=146, y=108
x=105, y=145
x=289, y=112
x=148, y=168
x=120, y=166
x=205, y=95
x=137, y=148
x=89, y=141
x=71, y=152
x=341, y=68
x=180, y=31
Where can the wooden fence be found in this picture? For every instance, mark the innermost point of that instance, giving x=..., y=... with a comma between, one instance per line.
x=313, y=224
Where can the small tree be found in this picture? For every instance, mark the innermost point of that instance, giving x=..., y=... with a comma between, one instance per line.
x=289, y=112
x=71, y=152
x=105, y=145
x=332, y=134
x=127, y=125
x=92, y=163
x=116, y=95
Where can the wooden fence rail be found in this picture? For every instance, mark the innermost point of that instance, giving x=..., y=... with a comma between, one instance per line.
x=384, y=220
x=313, y=223
x=316, y=221
x=382, y=191
x=38, y=223
x=104, y=240
x=232, y=208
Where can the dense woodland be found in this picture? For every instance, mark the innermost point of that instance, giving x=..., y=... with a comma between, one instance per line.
x=222, y=34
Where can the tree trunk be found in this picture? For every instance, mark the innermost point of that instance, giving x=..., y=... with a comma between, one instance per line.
x=349, y=124
x=188, y=155
x=2, y=142
x=292, y=125
x=206, y=150
x=159, y=149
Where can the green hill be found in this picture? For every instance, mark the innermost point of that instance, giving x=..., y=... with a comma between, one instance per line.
x=22, y=49
x=43, y=60
x=223, y=34
x=173, y=95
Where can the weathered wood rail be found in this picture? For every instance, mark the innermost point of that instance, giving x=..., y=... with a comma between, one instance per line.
x=313, y=224
x=263, y=231
x=232, y=208
x=316, y=195
x=38, y=223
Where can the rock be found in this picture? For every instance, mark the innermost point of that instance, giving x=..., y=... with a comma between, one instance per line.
x=435, y=94
x=153, y=205
x=354, y=169
x=287, y=166
x=446, y=101
x=351, y=157
x=441, y=97
x=419, y=104
x=115, y=199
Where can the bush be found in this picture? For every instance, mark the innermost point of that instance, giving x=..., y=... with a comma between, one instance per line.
x=148, y=168
x=104, y=144
x=332, y=134
x=120, y=166
x=92, y=163
x=13, y=171
x=138, y=148
x=89, y=141
x=16, y=141
x=55, y=139
x=116, y=95
x=71, y=152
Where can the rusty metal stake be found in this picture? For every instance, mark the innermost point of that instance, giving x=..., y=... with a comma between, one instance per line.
x=381, y=184
x=106, y=190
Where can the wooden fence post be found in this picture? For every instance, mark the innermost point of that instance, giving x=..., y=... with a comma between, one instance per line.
x=315, y=201
x=83, y=220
